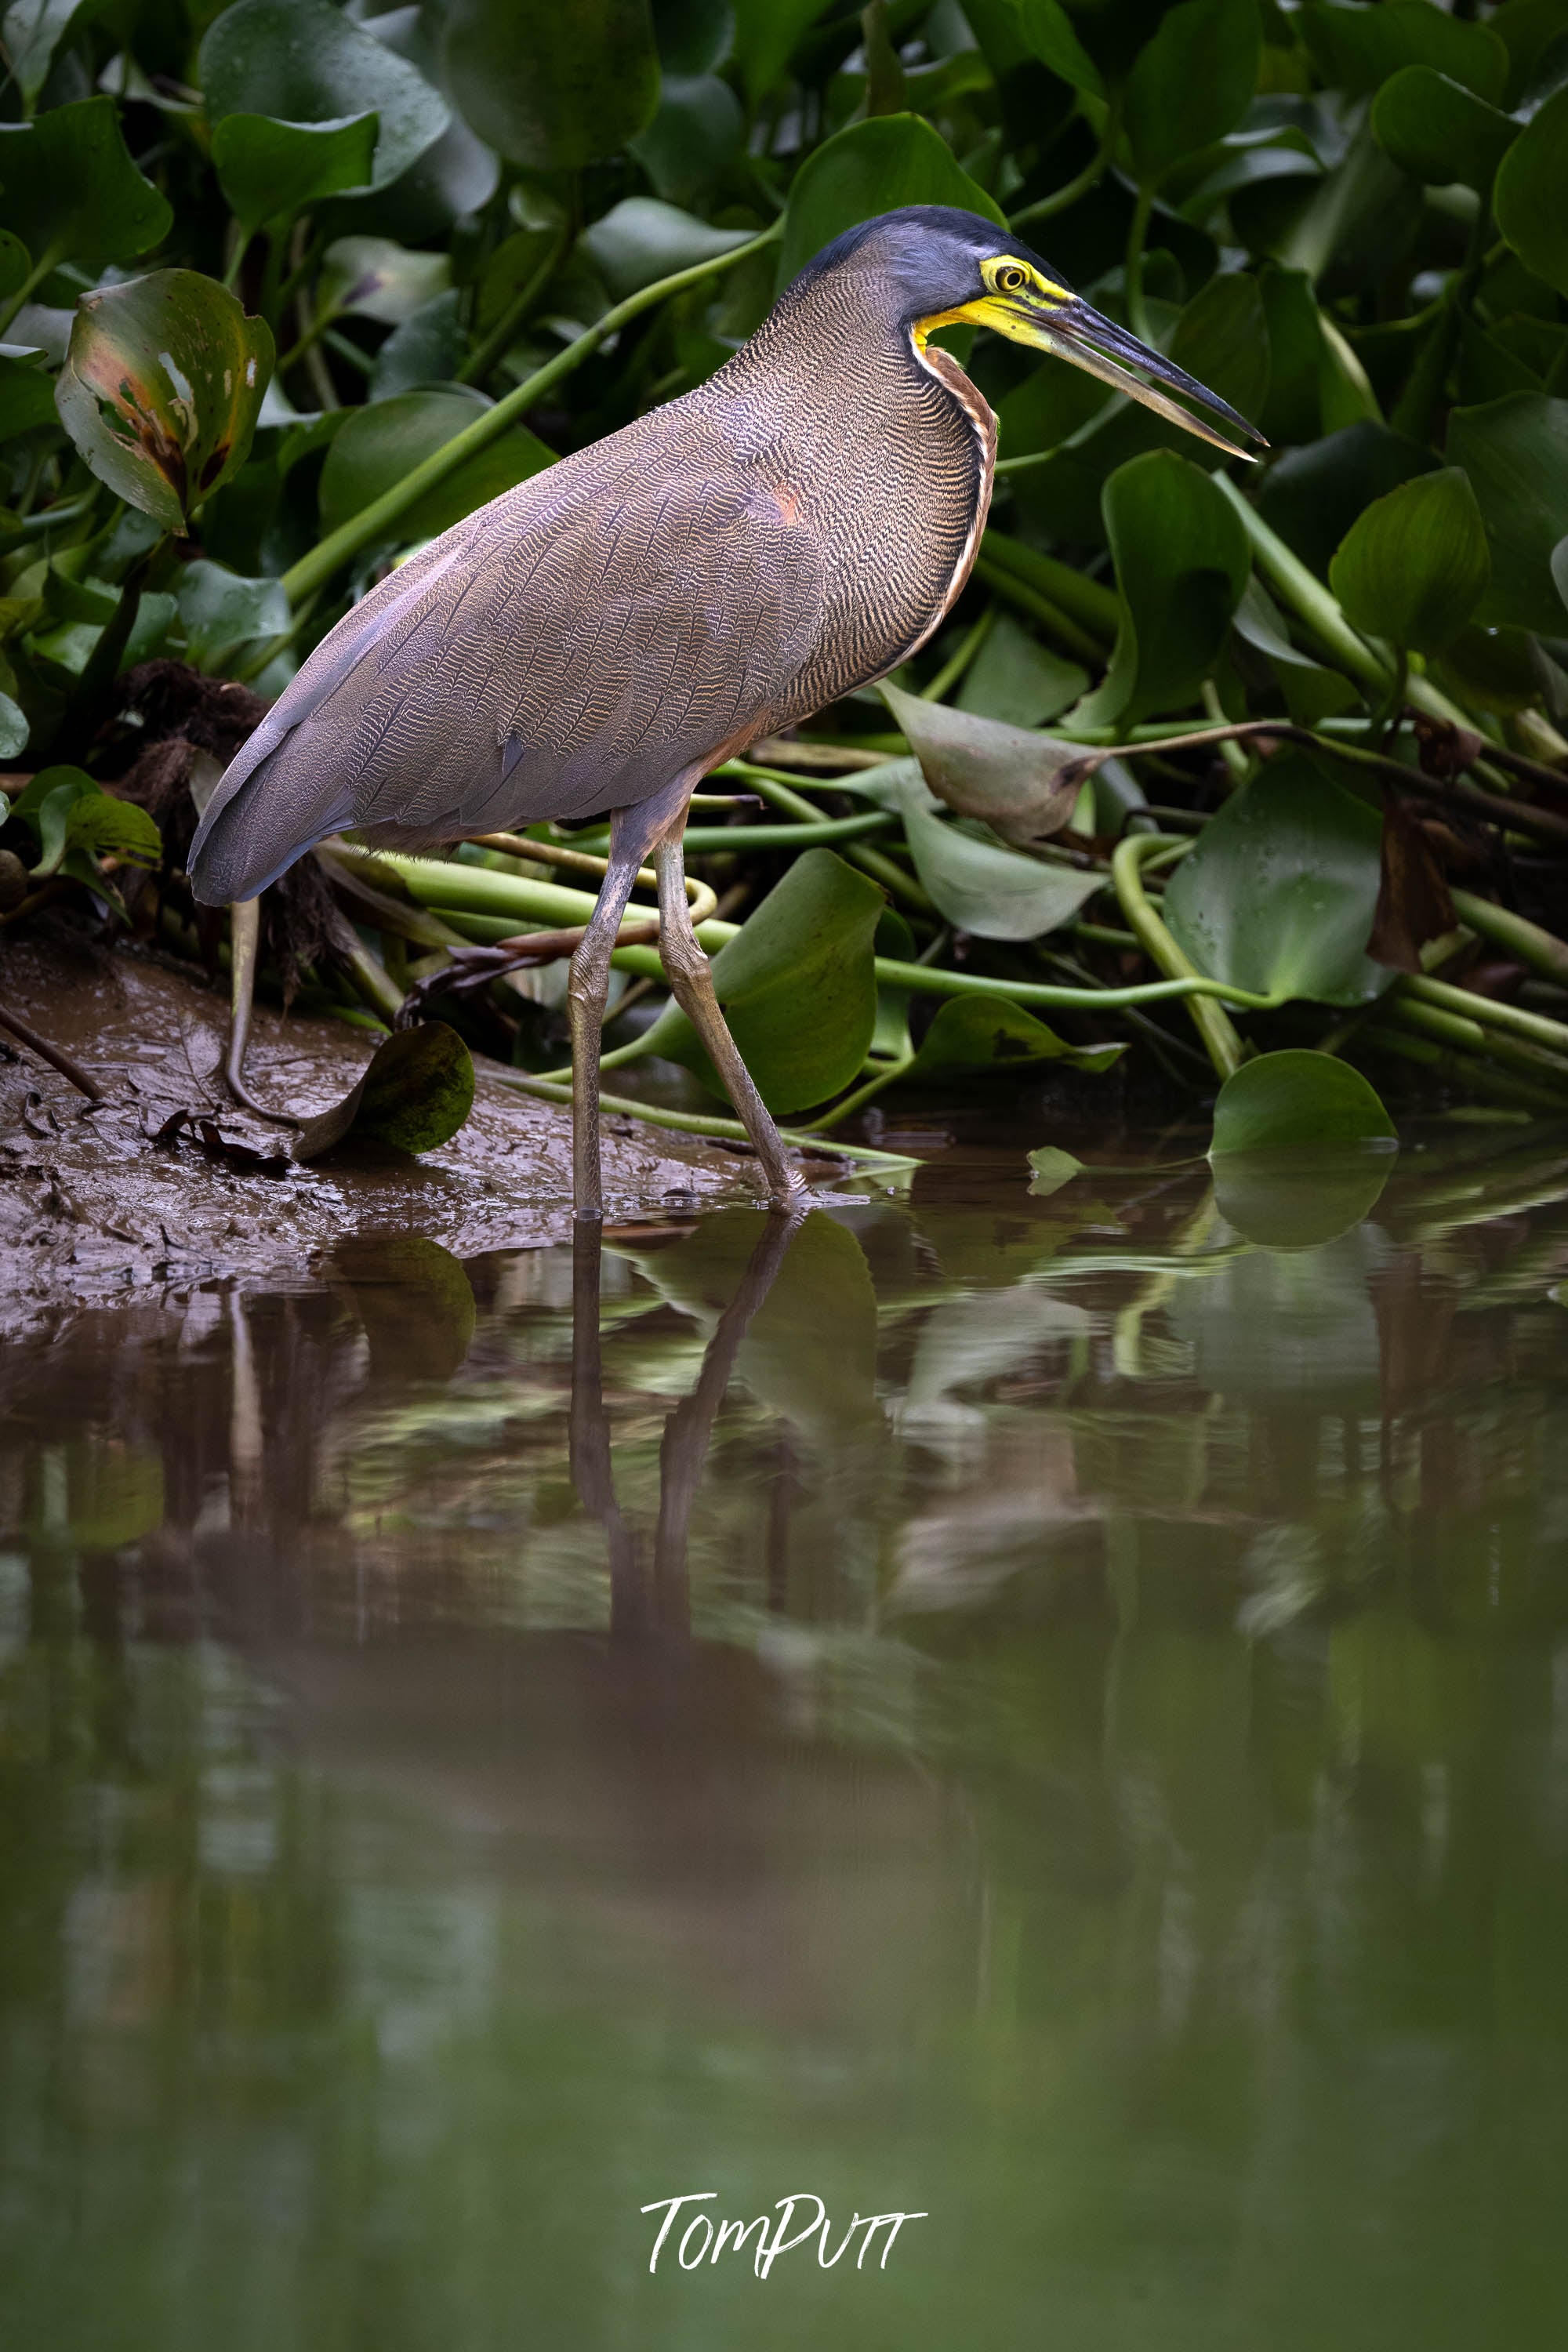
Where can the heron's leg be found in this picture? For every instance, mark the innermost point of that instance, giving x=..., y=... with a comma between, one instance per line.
x=589, y=1440
x=245, y=939
x=632, y=831
x=691, y=984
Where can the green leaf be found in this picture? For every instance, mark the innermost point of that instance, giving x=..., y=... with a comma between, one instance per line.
x=14, y=730
x=1050, y=1169
x=1359, y=47
x=371, y=278
x=1312, y=496
x=798, y=987
x=69, y=187
x=1007, y=777
x=1413, y=565
x=1280, y=1102
x=302, y=61
x=641, y=239
x=1278, y=892
x=978, y=885
x=33, y=30
x=1191, y=83
x=425, y=350
x=766, y=33
x=161, y=389
x=1531, y=198
x=694, y=36
x=873, y=167
x=1017, y=678
x=1560, y=569
x=66, y=810
x=1515, y=451
x=1048, y=30
x=378, y=446
x=415, y=1095
x=270, y=170
x=1181, y=563
x=221, y=612
x=693, y=139
x=1438, y=131
x=973, y=1038
x=26, y=398
x=548, y=86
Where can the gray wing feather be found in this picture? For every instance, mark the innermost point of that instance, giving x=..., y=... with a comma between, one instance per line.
x=566, y=649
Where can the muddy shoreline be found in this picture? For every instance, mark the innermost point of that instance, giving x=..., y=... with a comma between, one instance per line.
x=93, y=1210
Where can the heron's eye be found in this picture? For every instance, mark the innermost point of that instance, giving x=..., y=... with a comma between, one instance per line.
x=1011, y=280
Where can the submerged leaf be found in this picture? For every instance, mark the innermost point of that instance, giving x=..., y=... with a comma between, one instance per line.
x=415, y=1095
x=1302, y=1148
x=162, y=387
x=1007, y=777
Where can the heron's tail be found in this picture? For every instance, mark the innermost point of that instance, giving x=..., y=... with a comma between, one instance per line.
x=266, y=811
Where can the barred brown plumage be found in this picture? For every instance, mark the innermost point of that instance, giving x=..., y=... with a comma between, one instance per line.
x=603, y=635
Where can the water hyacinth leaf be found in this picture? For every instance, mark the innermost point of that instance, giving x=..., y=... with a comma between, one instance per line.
x=66, y=810
x=798, y=987
x=32, y=31
x=641, y=239
x=69, y=187
x=766, y=33
x=1279, y=891
x=982, y=888
x=14, y=727
x=1560, y=569
x=694, y=36
x=1014, y=677
x=1181, y=563
x=1005, y=776
x=1191, y=83
x=415, y=1095
x=873, y=167
x=1048, y=30
x=1281, y=1102
x=973, y=1038
x=161, y=389
x=1413, y=565
x=426, y=349
x=303, y=61
x=1312, y=494
x=371, y=278
x=1531, y=198
x=1049, y=1169
x=221, y=612
x=270, y=170
x=1438, y=131
x=1358, y=49
x=551, y=87
x=1304, y=1195
x=380, y=445
x=1515, y=451
x=27, y=397
x=694, y=138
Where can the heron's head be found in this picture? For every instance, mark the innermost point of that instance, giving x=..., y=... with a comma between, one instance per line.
x=941, y=268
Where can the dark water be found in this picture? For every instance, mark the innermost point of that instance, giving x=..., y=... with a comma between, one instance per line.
x=1038, y=1712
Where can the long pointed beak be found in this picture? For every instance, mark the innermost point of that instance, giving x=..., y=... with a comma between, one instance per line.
x=1075, y=330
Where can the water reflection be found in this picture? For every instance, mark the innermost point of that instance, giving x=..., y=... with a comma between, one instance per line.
x=1043, y=1710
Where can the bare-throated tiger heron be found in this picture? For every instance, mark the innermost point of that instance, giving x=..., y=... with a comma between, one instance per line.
x=603, y=635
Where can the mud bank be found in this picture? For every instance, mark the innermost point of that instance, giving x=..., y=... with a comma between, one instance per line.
x=91, y=1209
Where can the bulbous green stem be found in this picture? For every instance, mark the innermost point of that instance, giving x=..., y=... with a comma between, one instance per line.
x=1132, y=856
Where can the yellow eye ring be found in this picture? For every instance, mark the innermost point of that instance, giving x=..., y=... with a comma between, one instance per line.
x=1011, y=280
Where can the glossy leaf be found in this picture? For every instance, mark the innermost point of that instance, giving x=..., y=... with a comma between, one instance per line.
x=27, y=397
x=766, y=33
x=426, y=349
x=1413, y=567
x=1007, y=777
x=270, y=170
x=1014, y=677
x=980, y=886
x=873, y=167
x=1515, y=452
x=1283, y=1102
x=1279, y=891
x=1438, y=131
x=1191, y=83
x=1532, y=194
x=974, y=1038
x=693, y=139
x=66, y=810
x=1300, y=1195
x=303, y=61
x=694, y=36
x=67, y=186
x=641, y=239
x=33, y=31
x=415, y=1095
x=380, y=445
x=798, y=987
x=1359, y=47
x=373, y=278
x=161, y=389
x=1048, y=30
x=14, y=728
x=223, y=611
x=1181, y=563
x=551, y=86
x=1312, y=494
x=1049, y=1169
